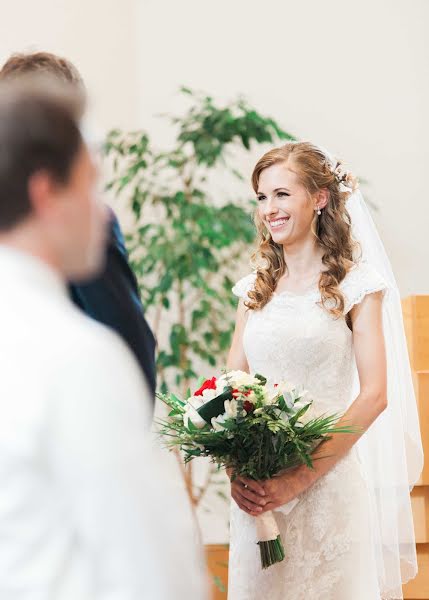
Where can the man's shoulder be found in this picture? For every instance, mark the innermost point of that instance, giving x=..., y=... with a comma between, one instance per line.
x=96, y=364
x=75, y=331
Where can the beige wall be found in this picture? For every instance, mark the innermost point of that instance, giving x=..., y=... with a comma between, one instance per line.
x=352, y=76
x=99, y=36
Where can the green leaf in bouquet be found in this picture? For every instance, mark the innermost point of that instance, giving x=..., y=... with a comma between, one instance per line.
x=191, y=426
x=229, y=424
x=274, y=426
x=192, y=452
x=299, y=414
x=176, y=399
x=215, y=407
x=261, y=378
x=175, y=412
x=283, y=405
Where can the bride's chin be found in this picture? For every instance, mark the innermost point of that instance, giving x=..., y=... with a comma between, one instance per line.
x=280, y=239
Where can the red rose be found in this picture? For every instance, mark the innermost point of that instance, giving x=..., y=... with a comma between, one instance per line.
x=235, y=393
x=209, y=384
x=248, y=406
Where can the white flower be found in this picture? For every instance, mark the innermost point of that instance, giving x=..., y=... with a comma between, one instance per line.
x=221, y=383
x=286, y=387
x=284, y=415
x=195, y=401
x=209, y=395
x=217, y=422
x=270, y=395
x=344, y=187
x=191, y=412
x=239, y=378
x=288, y=391
x=231, y=409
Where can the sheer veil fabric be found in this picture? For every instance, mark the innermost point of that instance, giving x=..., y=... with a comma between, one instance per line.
x=391, y=450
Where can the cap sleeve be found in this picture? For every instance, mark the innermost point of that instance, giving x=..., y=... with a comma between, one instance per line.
x=361, y=280
x=244, y=286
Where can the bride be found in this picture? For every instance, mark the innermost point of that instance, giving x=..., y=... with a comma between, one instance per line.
x=323, y=311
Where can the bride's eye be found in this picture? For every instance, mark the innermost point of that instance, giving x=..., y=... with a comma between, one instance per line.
x=281, y=194
x=259, y=198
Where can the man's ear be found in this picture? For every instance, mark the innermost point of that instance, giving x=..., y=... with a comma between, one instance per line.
x=321, y=198
x=41, y=192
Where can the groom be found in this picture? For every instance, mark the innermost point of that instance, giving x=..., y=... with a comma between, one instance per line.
x=111, y=297
x=86, y=508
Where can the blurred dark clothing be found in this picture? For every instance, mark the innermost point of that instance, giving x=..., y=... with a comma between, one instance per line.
x=113, y=299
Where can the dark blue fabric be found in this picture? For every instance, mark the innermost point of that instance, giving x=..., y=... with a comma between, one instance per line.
x=113, y=299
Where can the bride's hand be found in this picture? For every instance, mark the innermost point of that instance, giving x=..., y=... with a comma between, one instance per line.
x=248, y=494
x=283, y=488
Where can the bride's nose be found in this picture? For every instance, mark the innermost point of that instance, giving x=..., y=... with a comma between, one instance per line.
x=270, y=207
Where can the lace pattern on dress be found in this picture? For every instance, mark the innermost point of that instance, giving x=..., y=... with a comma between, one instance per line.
x=360, y=281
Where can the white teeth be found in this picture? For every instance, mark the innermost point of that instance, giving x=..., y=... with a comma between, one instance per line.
x=278, y=223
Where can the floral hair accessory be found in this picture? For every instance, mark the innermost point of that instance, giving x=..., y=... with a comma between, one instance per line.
x=345, y=179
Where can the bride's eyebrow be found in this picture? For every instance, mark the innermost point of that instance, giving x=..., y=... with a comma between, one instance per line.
x=276, y=190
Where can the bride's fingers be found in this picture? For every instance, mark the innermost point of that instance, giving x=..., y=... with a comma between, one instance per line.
x=246, y=505
x=237, y=491
x=251, y=484
x=249, y=495
x=269, y=506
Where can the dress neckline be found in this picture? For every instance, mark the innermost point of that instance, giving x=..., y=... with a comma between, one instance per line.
x=312, y=293
x=309, y=290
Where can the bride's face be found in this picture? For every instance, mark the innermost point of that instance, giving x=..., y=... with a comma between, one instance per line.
x=284, y=205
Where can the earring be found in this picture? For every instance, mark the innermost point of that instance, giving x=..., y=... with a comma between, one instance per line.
x=319, y=212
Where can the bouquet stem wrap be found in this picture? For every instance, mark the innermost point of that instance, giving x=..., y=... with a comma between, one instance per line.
x=270, y=543
x=266, y=527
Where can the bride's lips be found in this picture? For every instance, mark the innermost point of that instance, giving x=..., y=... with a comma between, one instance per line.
x=278, y=223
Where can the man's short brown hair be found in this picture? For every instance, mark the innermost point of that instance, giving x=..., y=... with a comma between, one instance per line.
x=43, y=63
x=39, y=130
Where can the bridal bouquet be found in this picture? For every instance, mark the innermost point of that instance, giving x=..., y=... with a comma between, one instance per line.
x=257, y=430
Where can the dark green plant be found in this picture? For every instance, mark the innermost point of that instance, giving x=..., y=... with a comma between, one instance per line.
x=185, y=244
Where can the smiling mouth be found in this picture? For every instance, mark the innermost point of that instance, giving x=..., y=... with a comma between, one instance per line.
x=277, y=223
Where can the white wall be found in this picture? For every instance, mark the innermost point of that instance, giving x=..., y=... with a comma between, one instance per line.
x=351, y=76
x=99, y=36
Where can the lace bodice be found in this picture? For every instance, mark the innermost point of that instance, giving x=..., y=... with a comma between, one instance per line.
x=327, y=535
x=294, y=338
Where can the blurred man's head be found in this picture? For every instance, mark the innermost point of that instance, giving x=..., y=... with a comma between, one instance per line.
x=41, y=63
x=48, y=201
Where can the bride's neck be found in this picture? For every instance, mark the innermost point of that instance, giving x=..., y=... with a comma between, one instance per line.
x=303, y=258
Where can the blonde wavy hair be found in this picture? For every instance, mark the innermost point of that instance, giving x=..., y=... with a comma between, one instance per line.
x=315, y=170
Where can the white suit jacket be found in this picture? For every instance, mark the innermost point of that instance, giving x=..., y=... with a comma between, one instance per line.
x=87, y=510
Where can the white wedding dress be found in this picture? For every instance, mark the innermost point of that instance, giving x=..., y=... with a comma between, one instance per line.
x=327, y=536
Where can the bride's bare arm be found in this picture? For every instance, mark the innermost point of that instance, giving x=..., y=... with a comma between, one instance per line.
x=249, y=498
x=368, y=342
x=236, y=357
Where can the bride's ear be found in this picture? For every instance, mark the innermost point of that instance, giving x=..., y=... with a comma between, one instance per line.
x=321, y=199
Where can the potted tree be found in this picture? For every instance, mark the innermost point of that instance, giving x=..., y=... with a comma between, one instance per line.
x=185, y=240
